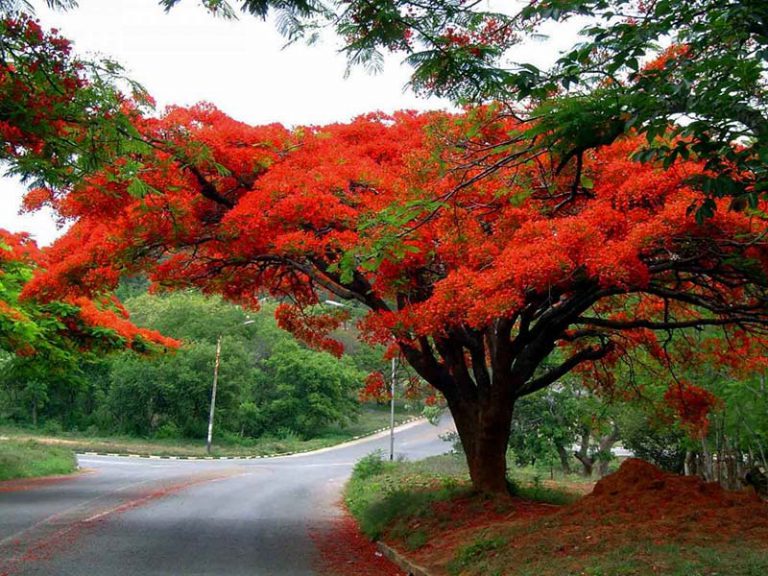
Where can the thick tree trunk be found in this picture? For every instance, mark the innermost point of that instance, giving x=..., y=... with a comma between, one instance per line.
x=484, y=431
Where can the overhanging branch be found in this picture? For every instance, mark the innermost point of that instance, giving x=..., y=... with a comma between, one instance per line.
x=551, y=376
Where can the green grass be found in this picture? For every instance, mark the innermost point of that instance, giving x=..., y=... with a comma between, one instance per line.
x=28, y=459
x=413, y=504
x=639, y=559
x=369, y=420
x=390, y=496
x=538, y=492
x=381, y=493
x=474, y=553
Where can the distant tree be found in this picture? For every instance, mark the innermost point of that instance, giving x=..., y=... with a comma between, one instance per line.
x=311, y=390
x=566, y=422
x=654, y=440
x=171, y=395
x=545, y=426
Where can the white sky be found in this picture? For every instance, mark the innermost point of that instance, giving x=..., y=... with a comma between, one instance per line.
x=188, y=56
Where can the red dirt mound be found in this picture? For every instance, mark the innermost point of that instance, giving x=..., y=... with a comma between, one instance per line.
x=672, y=504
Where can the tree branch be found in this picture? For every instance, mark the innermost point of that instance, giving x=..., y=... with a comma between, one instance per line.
x=553, y=375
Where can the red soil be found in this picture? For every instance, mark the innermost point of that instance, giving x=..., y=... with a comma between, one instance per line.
x=21, y=484
x=673, y=506
x=639, y=502
x=344, y=551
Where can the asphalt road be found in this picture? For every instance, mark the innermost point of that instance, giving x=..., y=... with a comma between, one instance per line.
x=139, y=517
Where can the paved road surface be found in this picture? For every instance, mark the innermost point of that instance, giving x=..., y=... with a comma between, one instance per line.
x=140, y=517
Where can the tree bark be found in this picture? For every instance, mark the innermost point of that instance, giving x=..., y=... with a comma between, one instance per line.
x=604, y=447
x=587, y=462
x=565, y=463
x=484, y=431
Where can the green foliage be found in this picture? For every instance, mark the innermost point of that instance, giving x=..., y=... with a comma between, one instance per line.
x=653, y=441
x=308, y=389
x=30, y=459
x=269, y=385
x=544, y=421
x=367, y=466
x=63, y=116
x=190, y=316
x=432, y=413
x=147, y=394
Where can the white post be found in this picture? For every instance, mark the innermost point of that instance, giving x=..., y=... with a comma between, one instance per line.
x=213, y=396
x=392, y=413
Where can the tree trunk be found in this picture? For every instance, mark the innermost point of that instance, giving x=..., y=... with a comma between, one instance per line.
x=587, y=462
x=690, y=463
x=565, y=462
x=604, y=449
x=34, y=413
x=484, y=431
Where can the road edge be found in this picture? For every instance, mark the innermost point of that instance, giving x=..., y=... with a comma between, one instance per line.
x=352, y=441
x=410, y=567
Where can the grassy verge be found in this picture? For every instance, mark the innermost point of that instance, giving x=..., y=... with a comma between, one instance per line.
x=394, y=499
x=28, y=459
x=382, y=494
x=369, y=420
x=672, y=527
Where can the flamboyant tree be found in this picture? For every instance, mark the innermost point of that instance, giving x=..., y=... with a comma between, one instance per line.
x=492, y=282
x=495, y=265
x=710, y=69
x=55, y=332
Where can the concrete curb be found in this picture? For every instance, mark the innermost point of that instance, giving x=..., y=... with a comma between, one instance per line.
x=403, y=562
x=276, y=455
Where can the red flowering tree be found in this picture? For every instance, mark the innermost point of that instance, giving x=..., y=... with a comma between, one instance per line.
x=61, y=116
x=495, y=278
x=57, y=332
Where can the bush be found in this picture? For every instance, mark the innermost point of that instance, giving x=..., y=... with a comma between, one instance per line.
x=384, y=494
x=53, y=427
x=368, y=466
x=167, y=431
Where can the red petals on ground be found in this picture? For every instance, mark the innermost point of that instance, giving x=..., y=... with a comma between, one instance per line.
x=345, y=551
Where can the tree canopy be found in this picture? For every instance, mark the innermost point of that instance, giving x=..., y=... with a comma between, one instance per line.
x=642, y=66
x=57, y=330
x=495, y=253
x=509, y=280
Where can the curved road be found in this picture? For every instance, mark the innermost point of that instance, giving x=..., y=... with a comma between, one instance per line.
x=129, y=516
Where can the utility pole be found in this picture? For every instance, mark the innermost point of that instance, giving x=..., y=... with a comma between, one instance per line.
x=213, y=396
x=392, y=413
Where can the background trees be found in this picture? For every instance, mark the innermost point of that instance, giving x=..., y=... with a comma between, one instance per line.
x=268, y=385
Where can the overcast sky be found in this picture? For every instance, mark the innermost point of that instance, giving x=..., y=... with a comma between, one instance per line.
x=188, y=56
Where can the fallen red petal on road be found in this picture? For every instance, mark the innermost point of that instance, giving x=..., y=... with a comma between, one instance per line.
x=345, y=551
